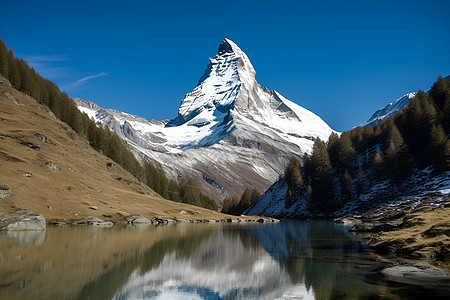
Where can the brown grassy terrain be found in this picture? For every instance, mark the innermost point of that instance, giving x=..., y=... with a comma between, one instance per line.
x=423, y=234
x=32, y=141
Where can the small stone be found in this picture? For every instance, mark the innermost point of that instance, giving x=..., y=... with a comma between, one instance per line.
x=73, y=170
x=161, y=220
x=93, y=221
x=27, y=174
x=5, y=192
x=183, y=212
x=31, y=145
x=45, y=139
x=52, y=166
x=182, y=221
x=93, y=207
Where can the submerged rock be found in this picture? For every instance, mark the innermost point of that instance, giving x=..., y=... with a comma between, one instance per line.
x=417, y=274
x=22, y=220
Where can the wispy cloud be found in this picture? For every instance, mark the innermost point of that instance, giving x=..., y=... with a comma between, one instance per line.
x=49, y=66
x=92, y=77
x=46, y=58
x=80, y=83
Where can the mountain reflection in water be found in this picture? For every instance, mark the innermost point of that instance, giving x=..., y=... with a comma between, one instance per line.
x=228, y=263
x=286, y=260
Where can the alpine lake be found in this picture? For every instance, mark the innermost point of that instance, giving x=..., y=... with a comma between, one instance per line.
x=284, y=260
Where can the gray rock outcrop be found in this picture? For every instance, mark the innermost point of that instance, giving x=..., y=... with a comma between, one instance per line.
x=22, y=220
x=417, y=274
x=138, y=220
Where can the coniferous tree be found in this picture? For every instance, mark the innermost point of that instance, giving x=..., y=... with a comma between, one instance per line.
x=345, y=150
x=368, y=135
x=320, y=176
x=294, y=180
x=397, y=159
x=4, y=69
x=14, y=75
x=439, y=92
x=236, y=207
x=356, y=136
x=437, y=144
x=332, y=148
x=346, y=186
x=172, y=191
x=293, y=173
x=378, y=163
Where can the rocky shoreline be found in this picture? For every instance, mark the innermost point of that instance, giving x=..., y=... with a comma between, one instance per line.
x=24, y=220
x=411, y=239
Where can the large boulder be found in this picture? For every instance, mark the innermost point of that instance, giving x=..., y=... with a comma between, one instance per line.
x=22, y=220
x=417, y=274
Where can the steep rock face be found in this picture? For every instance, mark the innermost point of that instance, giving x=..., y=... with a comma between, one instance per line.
x=230, y=133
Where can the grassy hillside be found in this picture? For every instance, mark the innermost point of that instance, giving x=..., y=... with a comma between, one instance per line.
x=53, y=171
x=27, y=80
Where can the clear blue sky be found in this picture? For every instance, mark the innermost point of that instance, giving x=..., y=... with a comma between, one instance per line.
x=339, y=59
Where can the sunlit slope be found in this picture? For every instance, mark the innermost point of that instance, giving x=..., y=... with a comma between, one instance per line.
x=56, y=173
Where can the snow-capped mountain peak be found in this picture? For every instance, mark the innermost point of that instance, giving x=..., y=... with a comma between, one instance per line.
x=218, y=87
x=230, y=133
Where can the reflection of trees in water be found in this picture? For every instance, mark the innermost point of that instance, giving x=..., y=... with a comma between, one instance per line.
x=321, y=254
x=109, y=283
x=248, y=261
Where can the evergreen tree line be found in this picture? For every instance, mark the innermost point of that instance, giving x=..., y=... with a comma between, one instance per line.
x=337, y=170
x=234, y=206
x=27, y=80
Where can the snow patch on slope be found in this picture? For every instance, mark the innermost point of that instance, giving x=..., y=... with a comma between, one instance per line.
x=274, y=203
x=389, y=109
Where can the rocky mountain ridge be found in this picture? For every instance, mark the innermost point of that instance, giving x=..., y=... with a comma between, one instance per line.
x=230, y=133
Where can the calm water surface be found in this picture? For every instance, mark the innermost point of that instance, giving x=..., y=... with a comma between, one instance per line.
x=286, y=260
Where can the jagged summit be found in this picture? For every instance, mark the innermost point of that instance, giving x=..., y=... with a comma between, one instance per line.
x=225, y=47
x=218, y=88
x=230, y=133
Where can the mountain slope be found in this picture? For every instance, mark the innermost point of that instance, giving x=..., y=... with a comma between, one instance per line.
x=51, y=170
x=405, y=157
x=230, y=133
x=389, y=110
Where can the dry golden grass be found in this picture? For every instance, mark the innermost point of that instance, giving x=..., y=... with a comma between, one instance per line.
x=83, y=178
x=421, y=235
